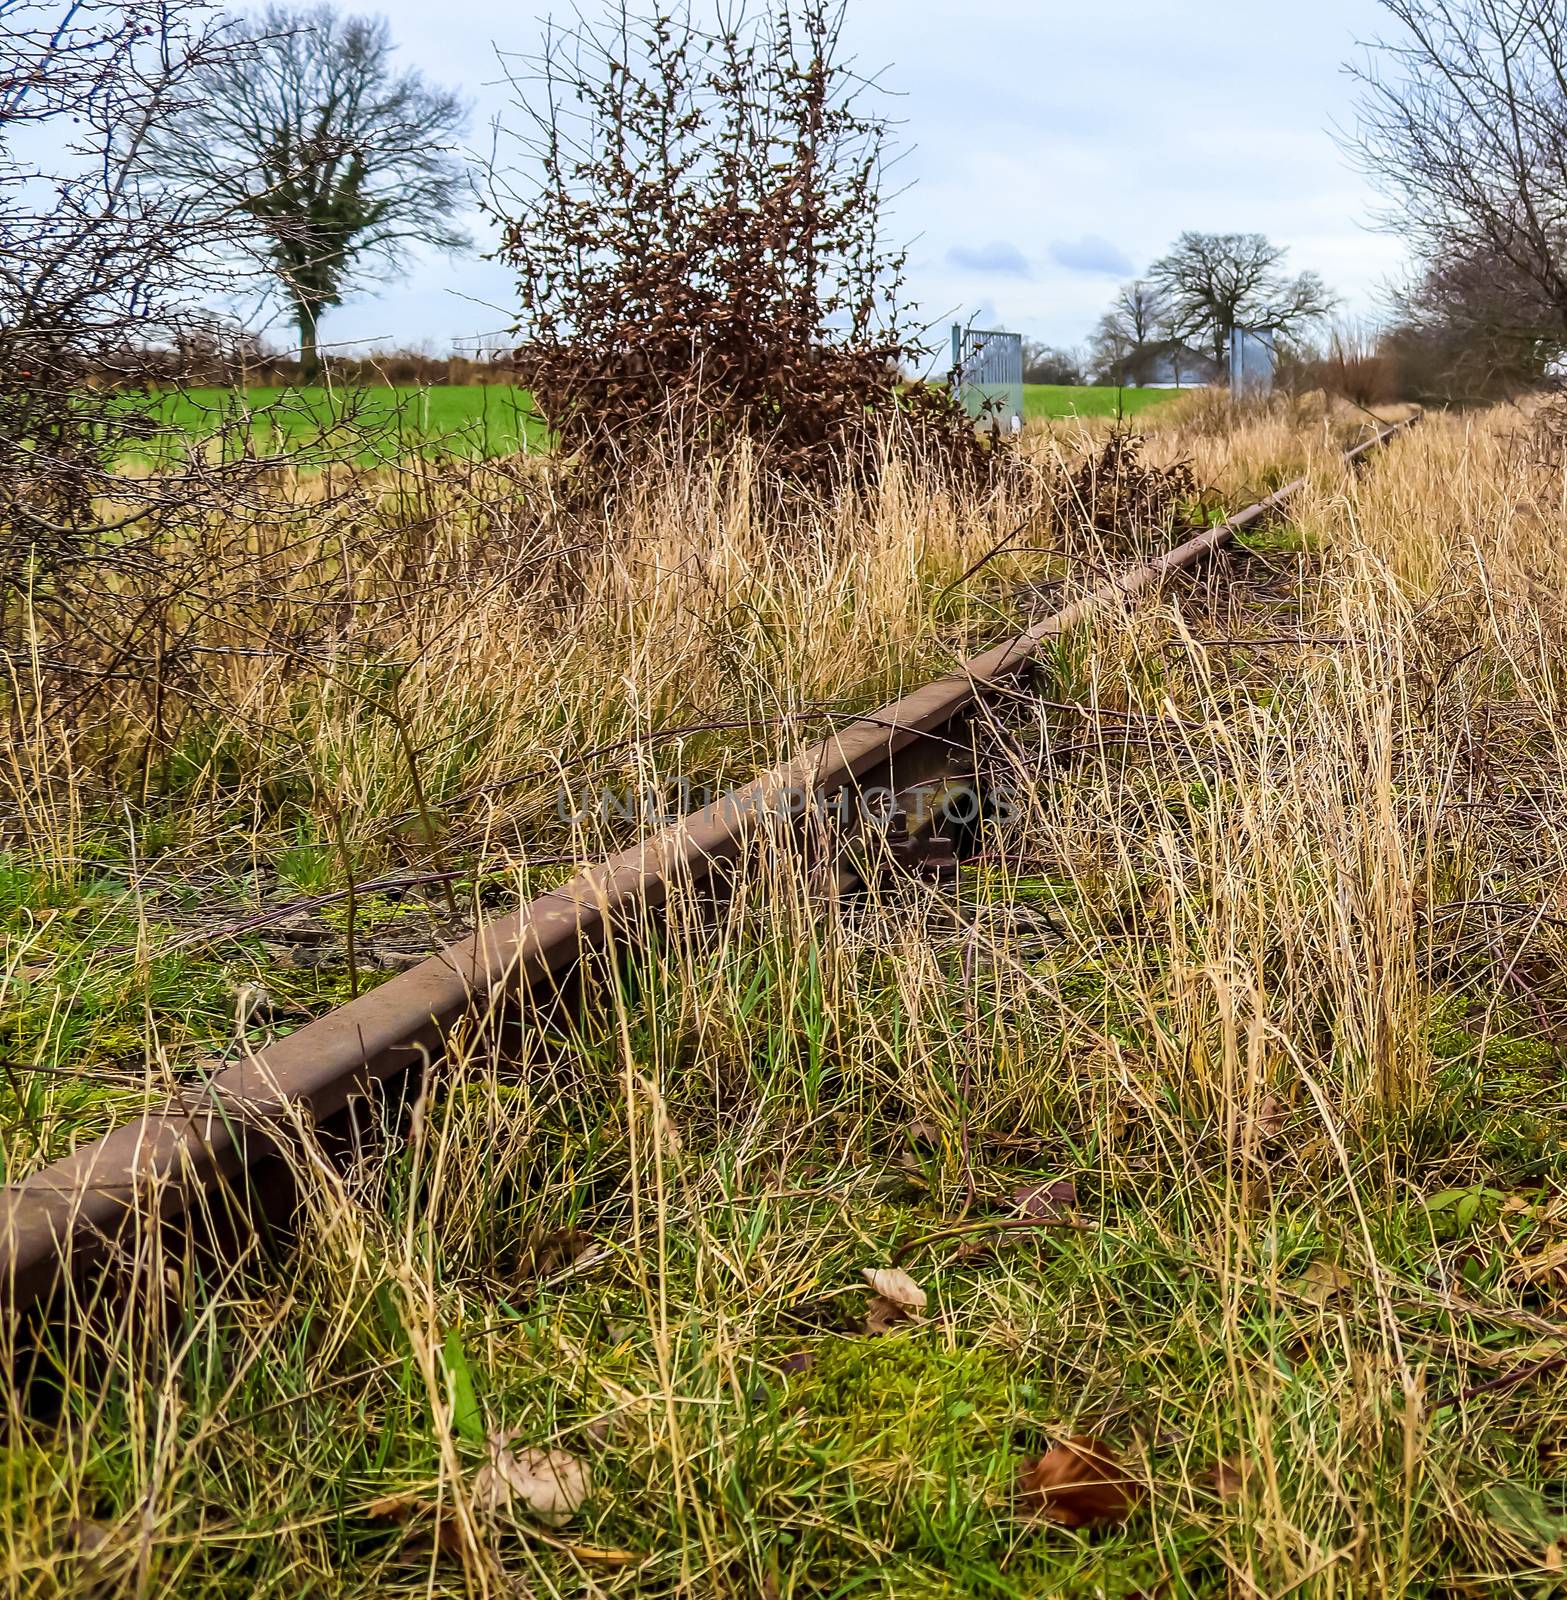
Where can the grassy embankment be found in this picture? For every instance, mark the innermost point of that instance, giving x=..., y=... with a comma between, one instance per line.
x=664, y=640
x=1266, y=984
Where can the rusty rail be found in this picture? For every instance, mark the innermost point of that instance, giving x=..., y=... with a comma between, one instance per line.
x=69, y=1219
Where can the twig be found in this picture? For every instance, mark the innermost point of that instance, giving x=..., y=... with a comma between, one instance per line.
x=990, y=555
x=351, y=894
x=1508, y=1380
x=984, y=1225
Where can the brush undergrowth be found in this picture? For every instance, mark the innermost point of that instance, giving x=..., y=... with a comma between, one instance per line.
x=1261, y=973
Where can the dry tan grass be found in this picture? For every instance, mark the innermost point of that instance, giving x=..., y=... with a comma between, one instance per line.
x=1267, y=962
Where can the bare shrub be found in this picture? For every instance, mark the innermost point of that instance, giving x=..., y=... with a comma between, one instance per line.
x=101, y=270
x=117, y=522
x=1356, y=366
x=1115, y=492
x=700, y=250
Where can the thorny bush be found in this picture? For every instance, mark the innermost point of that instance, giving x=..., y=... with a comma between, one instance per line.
x=699, y=243
x=1119, y=495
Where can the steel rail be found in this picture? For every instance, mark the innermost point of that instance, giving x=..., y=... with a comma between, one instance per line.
x=63, y=1222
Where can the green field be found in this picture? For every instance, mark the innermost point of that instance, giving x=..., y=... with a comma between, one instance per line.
x=468, y=420
x=1062, y=400
x=479, y=419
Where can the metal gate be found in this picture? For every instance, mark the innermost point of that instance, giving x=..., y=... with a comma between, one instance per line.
x=987, y=373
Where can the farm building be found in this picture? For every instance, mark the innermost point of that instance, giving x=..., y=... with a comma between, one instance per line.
x=1174, y=366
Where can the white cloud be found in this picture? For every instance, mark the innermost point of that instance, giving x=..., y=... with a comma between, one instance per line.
x=1091, y=254
x=998, y=258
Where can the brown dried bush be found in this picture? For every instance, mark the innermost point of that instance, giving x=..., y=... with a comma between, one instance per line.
x=1121, y=496
x=700, y=250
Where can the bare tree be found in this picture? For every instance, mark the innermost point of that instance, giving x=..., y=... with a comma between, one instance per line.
x=101, y=273
x=1043, y=363
x=1471, y=329
x=698, y=233
x=1463, y=123
x=342, y=162
x=1131, y=334
x=1213, y=283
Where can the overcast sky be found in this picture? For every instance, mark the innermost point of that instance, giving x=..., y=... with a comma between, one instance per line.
x=1054, y=149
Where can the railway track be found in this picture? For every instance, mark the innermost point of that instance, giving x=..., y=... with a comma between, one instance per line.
x=215, y=1163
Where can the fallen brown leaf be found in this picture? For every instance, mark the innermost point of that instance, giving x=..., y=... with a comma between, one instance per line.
x=549, y=1484
x=89, y=1537
x=1046, y=1199
x=394, y=1507
x=1271, y=1118
x=1256, y=1185
x=558, y=1249
x=894, y=1284
x=1322, y=1281
x=1079, y=1483
x=896, y=1298
x=425, y=1524
x=883, y=1315
x=1226, y=1477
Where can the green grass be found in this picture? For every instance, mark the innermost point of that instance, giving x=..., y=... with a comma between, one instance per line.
x=794, y=1116
x=640, y=1240
x=1066, y=400
x=102, y=1001
x=476, y=420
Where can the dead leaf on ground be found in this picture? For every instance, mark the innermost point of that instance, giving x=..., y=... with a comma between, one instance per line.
x=1322, y=1281
x=893, y=1283
x=598, y=1431
x=796, y=1362
x=394, y=1507
x=921, y=1131
x=1271, y=1118
x=895, y=1298
x=89, y=1537
x=424, y=1523
x=549, y=1484
x=1226, y=1477
x=558, y=1249
x=1255, y=1189
x=1043, y=1200
x=883, y=1315
x=1079, y=1483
